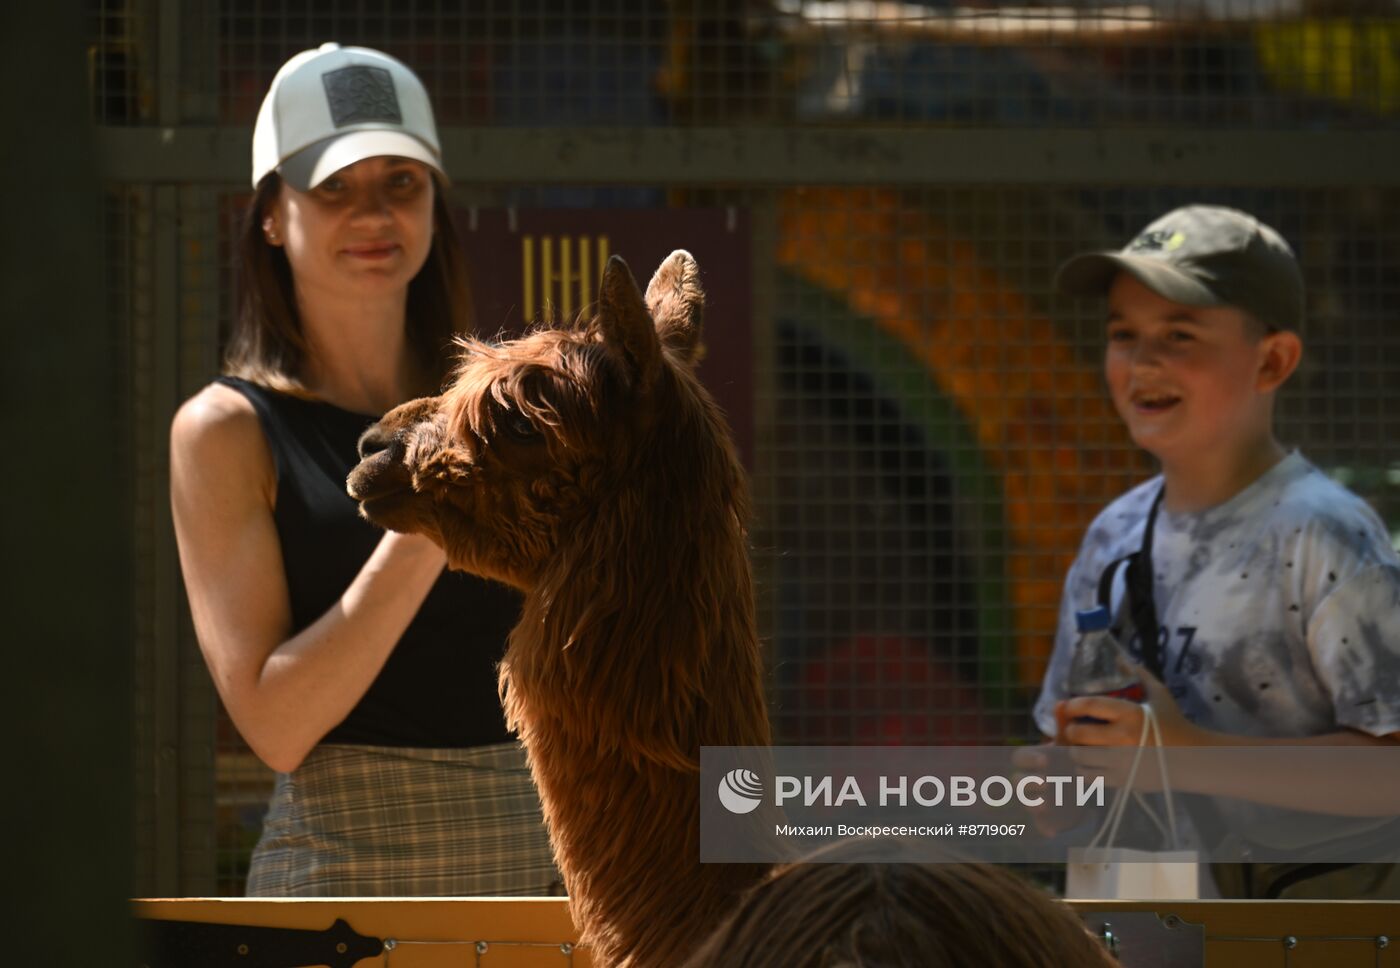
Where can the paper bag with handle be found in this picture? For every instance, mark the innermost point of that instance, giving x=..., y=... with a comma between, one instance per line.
x=1106, y=872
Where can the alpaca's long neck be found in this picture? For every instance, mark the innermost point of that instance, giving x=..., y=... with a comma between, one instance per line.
x=639, y=634
x=616, y=675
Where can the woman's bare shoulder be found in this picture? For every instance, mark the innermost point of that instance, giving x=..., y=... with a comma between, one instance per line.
x=218, y=411
x=218, y=428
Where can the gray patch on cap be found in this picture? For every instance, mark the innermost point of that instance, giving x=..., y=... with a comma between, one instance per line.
x=359, y=93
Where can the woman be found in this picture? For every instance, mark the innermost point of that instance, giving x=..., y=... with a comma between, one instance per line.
x=350, y=661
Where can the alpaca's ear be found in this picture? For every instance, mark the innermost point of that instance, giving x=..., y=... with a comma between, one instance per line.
x=677, y=303
x=626, y=324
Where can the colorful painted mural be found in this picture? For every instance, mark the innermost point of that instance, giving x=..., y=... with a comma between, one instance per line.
x=1043, y=425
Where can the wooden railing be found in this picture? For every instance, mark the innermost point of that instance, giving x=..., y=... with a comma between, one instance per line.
x=538, y=933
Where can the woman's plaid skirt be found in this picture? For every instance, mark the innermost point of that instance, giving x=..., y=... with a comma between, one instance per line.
x=403, y=822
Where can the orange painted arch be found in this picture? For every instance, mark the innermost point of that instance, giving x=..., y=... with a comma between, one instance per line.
x=1040, y=414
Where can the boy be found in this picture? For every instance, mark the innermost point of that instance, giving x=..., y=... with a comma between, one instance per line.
x=1275, y=591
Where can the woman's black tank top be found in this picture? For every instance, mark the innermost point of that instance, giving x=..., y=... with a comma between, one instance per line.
x=438, y=687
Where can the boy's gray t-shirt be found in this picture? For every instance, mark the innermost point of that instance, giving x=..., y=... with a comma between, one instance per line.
x=1282, y=606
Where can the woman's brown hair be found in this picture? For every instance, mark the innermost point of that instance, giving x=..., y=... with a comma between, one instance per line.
x=268, y=346
x=883, y=915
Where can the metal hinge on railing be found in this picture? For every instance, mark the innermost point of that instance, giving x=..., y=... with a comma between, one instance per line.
x=198, y=944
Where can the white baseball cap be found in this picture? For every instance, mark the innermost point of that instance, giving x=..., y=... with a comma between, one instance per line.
x=333, y=106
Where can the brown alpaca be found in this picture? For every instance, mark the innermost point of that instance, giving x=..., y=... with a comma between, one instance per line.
x=588, y=467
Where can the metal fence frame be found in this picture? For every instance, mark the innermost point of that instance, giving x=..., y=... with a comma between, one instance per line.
x=165, y=175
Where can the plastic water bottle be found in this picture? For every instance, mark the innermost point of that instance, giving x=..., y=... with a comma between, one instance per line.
x=1099, y=667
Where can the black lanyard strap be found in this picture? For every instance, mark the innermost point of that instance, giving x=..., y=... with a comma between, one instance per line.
x=1142, y=601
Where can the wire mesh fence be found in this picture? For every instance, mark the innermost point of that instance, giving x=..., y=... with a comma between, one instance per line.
x=634, y=62
x=929, y=429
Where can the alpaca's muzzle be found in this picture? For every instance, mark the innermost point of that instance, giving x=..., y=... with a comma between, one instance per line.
x=381, y=470
x=379, y=438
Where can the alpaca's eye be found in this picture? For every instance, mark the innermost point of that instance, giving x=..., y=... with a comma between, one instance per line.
x=519, y=427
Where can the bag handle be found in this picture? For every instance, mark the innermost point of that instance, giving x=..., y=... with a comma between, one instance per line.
x=1120, y=802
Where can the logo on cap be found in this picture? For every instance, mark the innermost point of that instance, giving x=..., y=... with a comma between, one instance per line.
x=1158, y=241
x=358, y=93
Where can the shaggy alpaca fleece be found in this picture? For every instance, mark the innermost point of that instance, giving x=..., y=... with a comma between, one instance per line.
x=587, y=466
